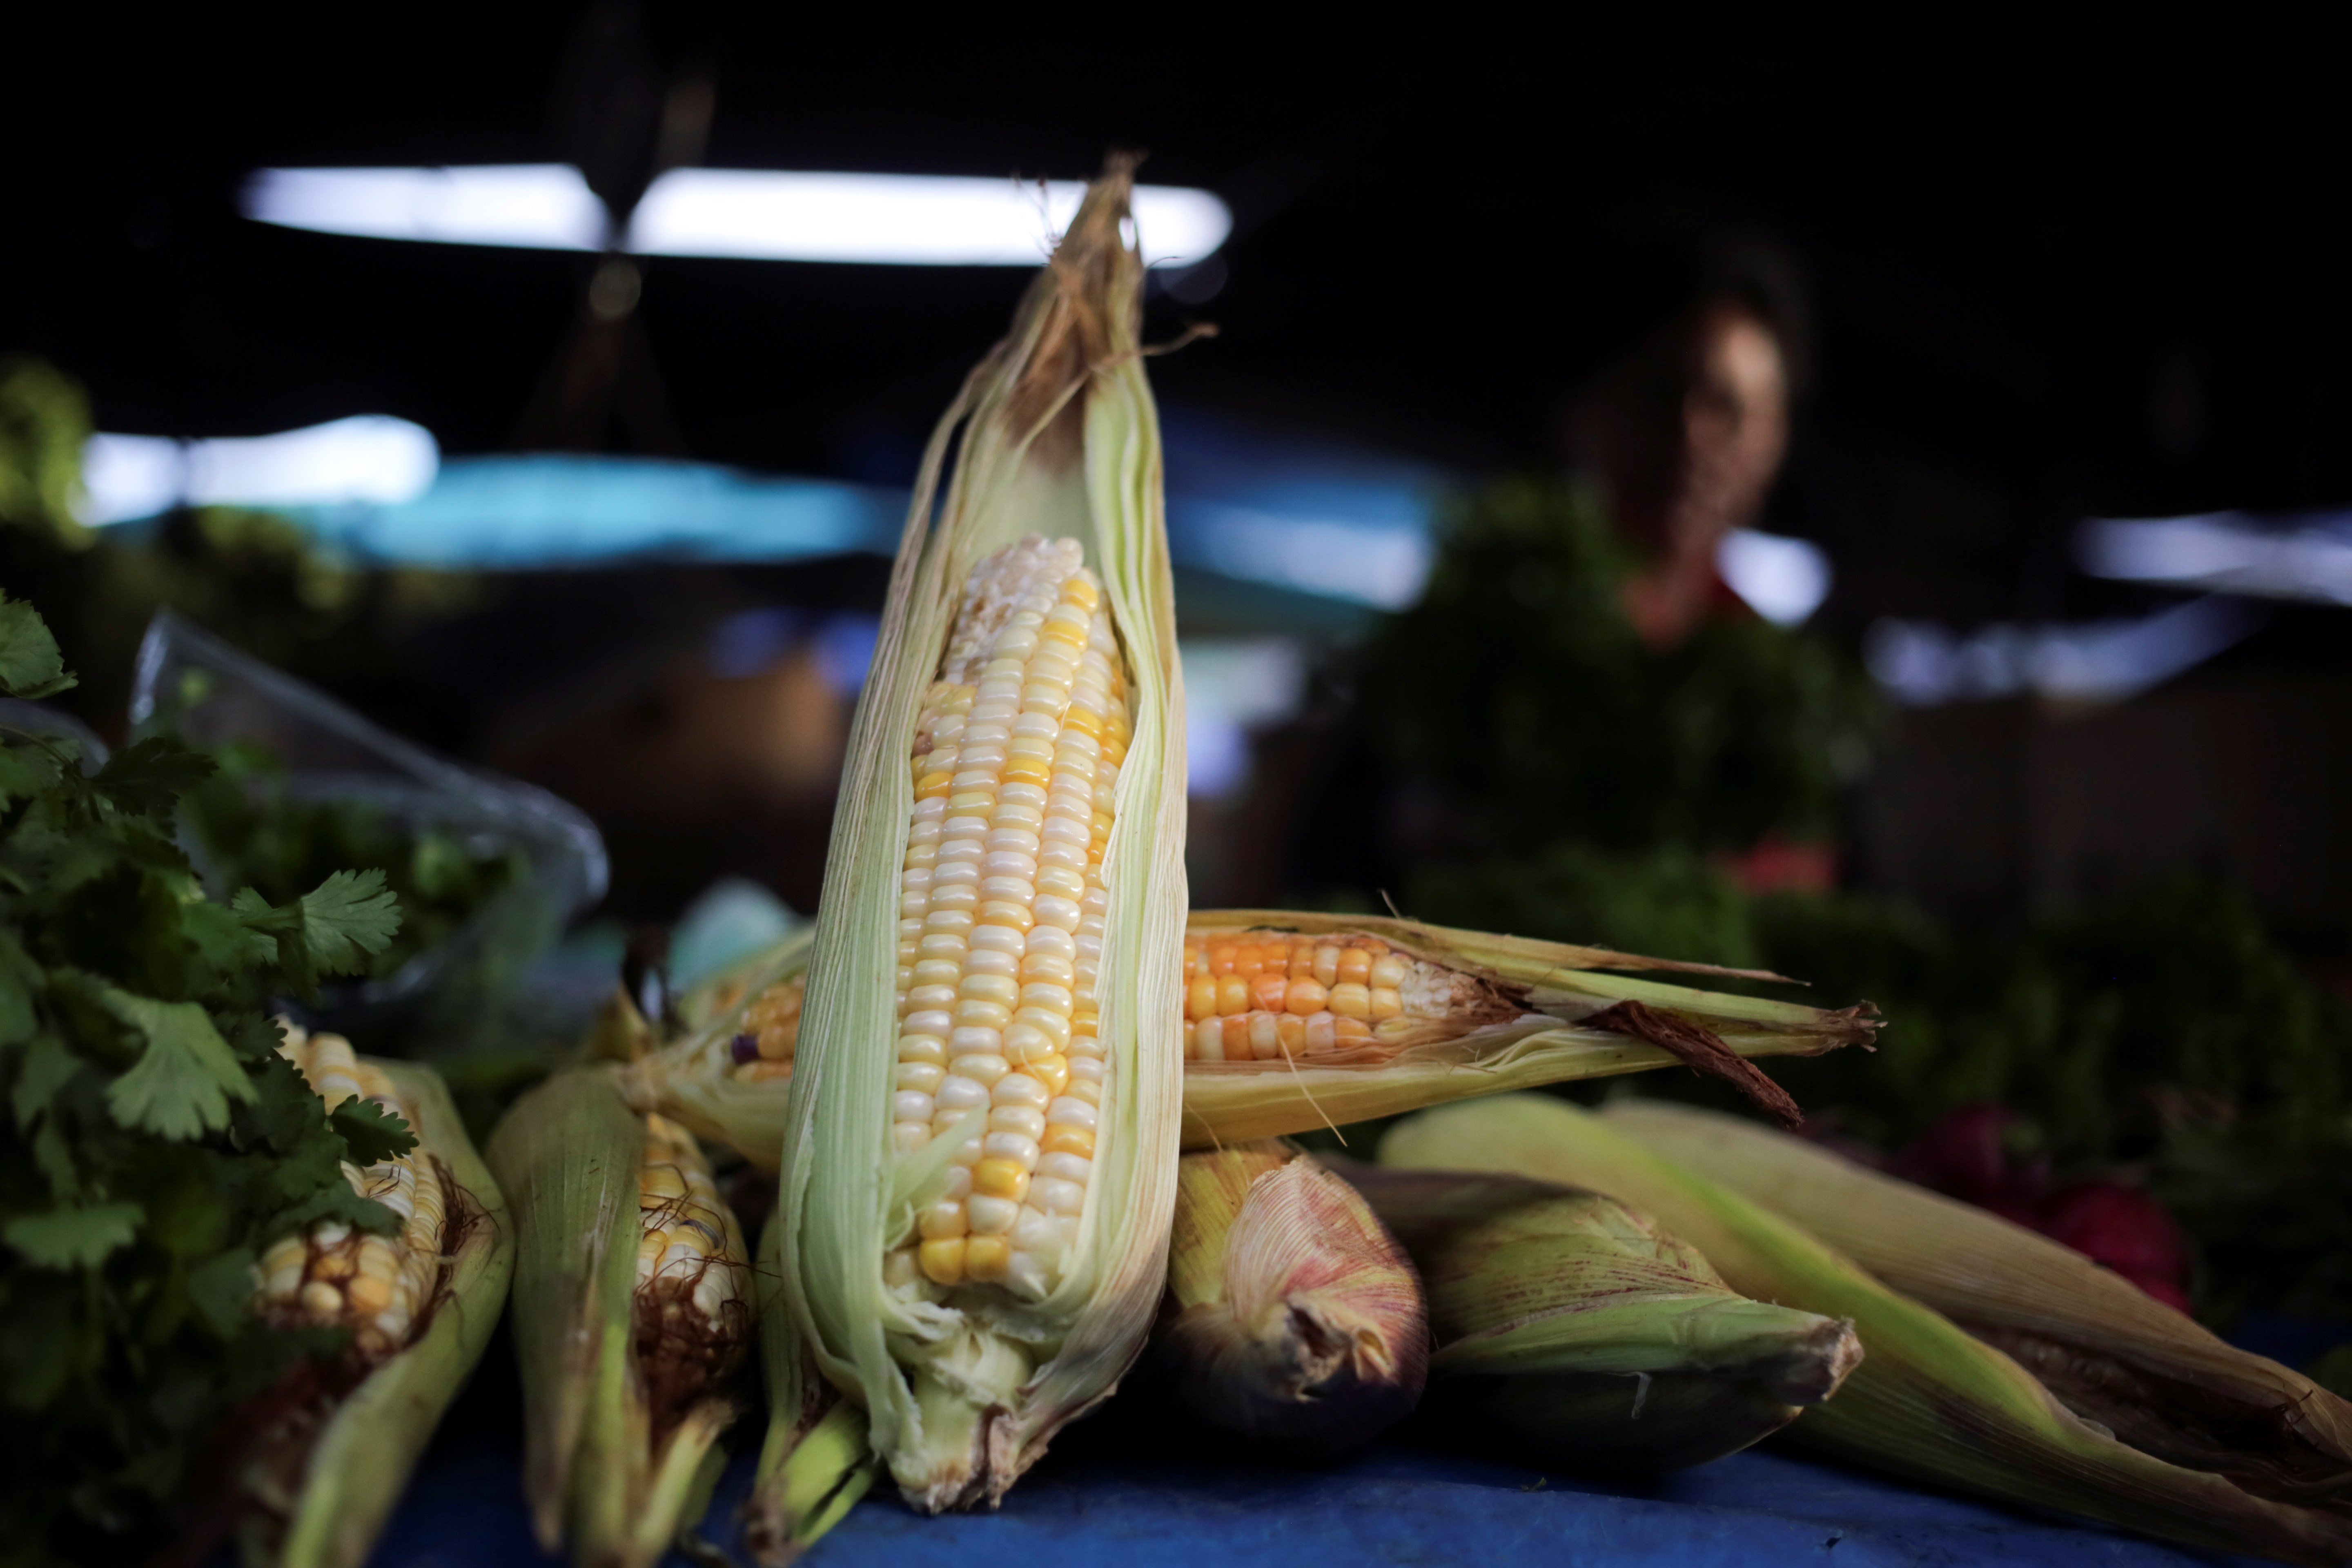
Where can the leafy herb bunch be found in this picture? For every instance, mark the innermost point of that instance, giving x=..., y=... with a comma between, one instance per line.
x=158, y=1140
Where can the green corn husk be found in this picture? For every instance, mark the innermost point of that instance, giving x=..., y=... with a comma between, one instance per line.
x=1577, y=1332
x=1055, y=435
x=1928, y=1402
x=816, y=1463
x=2108, y=1350
x=1537, y=1041
x=596, y=1473
x=1292, y=1318
x=362, y=1460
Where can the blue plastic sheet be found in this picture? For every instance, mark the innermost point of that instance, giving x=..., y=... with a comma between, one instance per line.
x=1112, y=1499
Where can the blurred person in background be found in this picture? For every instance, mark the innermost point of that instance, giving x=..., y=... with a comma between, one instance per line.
x=1583, y=731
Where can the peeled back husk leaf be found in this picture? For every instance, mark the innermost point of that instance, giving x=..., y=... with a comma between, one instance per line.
x=1526, y=1026
x=1928, y=1402
x=611, y=1466
x=1581, y=1334
x=2112, y=1353
x=1292, y=1318
x=1055, y=436
x=362, y=1457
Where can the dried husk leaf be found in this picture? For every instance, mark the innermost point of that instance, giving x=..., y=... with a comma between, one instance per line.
x=1292, y=1317
x=2112, y=1353
x=1057, y=436
x=361, y=1461
x=597, y=1472
x=1533, y=1038
x=1577, y=1330
x=1928, y=1402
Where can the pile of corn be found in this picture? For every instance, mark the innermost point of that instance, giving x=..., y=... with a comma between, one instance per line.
x=977, y=1076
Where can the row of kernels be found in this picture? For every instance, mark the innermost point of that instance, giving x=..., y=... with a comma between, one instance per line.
x=1364, y=960
x=1230, y=995
x=1270, y=1037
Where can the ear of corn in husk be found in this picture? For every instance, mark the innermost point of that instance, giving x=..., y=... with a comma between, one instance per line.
x=1292, y=1317
x=1461, y=1013
x=633, y=1309
x=1581, y=1334
x=1928, y=1402
x=816, y=1463
x=420, y=1304
x=2112, y=1353
x=1295, y=1020
x=980, y=1151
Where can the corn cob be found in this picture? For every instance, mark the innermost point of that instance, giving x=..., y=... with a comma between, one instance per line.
x=1577, y=1330
x=969, y=1295
x=420, y=1305
x=2112, y=1353
x=1285, y=1031
x=1292, y=1318
x=1928, y=1402
x=633, y=1309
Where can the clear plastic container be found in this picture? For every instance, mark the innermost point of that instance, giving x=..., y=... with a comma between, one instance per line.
x=459, y=992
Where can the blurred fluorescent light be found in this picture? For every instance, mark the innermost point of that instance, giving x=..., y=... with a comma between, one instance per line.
x=908, y=219
x=2229, y=552
x=1783, y=580
x=1924, y=666
x=368, y=458
x=1384, y=565
x=541, y=206
x=751, y=214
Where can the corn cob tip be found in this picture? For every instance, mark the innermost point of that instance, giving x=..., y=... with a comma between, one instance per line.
x=1292, y=1318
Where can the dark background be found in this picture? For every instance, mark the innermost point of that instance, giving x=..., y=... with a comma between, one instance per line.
x=2047, y=279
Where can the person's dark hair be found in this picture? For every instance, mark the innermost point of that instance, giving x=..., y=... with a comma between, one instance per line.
x=1653, y=271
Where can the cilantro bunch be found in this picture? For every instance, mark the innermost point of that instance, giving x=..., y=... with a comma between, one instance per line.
x=157, y=1141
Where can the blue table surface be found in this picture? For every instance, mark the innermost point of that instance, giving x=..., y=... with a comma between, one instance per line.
x=1126, y=1485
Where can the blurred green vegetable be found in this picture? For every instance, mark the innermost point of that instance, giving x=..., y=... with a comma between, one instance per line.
x=157, y=1140
x=254, y=831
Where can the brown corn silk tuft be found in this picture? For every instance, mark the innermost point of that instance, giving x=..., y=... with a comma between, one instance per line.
x=962, y=1383
x=1292, y=1317
x=2112, y=1353
x=1702, y=1050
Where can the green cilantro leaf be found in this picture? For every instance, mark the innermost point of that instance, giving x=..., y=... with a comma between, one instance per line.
x=25, y=771
x=72, y=1239
x=221, y=1290
x=20, y=978
x=371, y=1133
x=348, y=917
x=30, y=665
x=46, y=1066
x=184, y=1080
x=148, y=778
